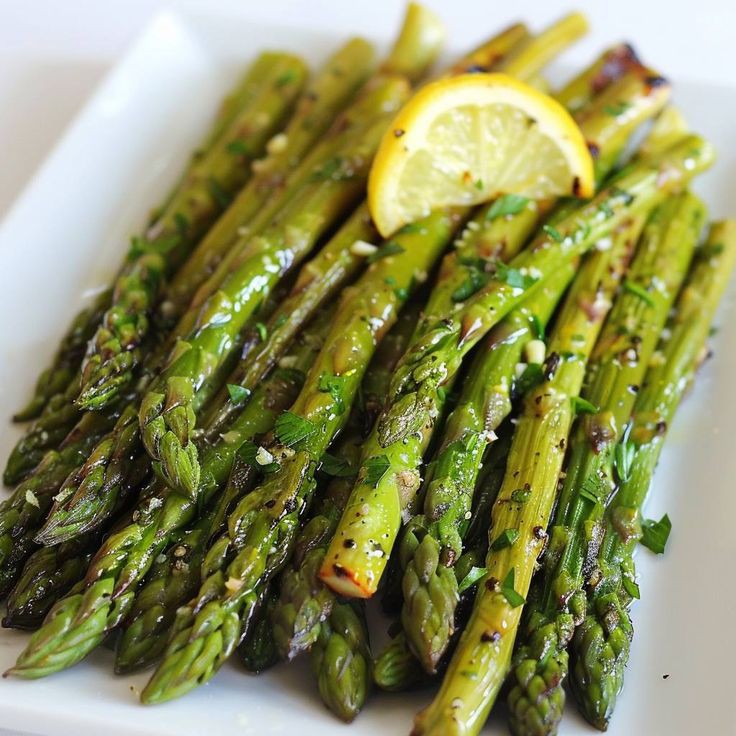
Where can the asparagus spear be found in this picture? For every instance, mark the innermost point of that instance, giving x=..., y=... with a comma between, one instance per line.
x=263, y=527
x=434, y=359
x=23, y=512
x=341, y=660
x=66, y=363
x=432, y=541
x=535, y=52
x=519, y=515
x=304, y=603
x=396, y=668
x=616, y=371
x=45, y=434
x=114, y=351
x=79, y=622
x=172, y=580
x=319, y=280
x=611, y=65
x=167, y=412
x=49, y=573
x=258, y=650
x=272, y=181
x=600, y=647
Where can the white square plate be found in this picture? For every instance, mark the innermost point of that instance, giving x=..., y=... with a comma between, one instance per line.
x=63, y=239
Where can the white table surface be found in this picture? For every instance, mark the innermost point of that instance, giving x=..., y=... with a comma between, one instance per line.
x=53, y=54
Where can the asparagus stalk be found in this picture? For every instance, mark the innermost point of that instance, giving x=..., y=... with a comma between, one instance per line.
x=49, y=573
x=418, y=44
x=601, y=645
x=341, y=660
x=262, y=528
x=304, y=603
x=611, y=65
x=272, y=181
x=115, y=350
x=396, y=668
x=22, y=513
x=66, y=363
x=318, y=281
x=168, y=410
x=616, y=370
x=172, y=580
x=79, y=622
x=258, y=650
x=519, y=515
x=45, y=434
x=530, y=55
x=490, y=53
x=435, y=358
x=433, y=539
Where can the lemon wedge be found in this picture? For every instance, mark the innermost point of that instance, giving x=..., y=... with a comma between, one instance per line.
x=468, y=139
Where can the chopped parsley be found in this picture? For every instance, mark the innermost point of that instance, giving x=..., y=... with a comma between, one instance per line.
x=387, y=249
x=639, y=291
x=262, y=331
x=582, y=406
x=238, y=394
x=514, y=277
x=375, y=468
x=337, y=466
x=532, y=376
x=537, y=327
x=507, y=588
x=553, y=233
x=623, y=459
x=474, y=575
x=238, y=148
x=332, y=385
x=505, y=539
x=291, y=429
x=654, y=534
x=617, y=109
x=509, y=204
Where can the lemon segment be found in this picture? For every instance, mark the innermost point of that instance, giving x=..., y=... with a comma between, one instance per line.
x=468, y=139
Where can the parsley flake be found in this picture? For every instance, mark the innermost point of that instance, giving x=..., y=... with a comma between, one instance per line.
x=474, y=575
x=387, y=249
x=639, y=291
x=654, y=534
x=291, y=429
x=507, y=588
x=509, y=204
x=506, y=538
x=582, y=406
x=336, y=466
x=554, y=233
x=375, y=468
x=238, y=394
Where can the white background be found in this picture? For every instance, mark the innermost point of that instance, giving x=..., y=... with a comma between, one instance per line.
x=54, y=52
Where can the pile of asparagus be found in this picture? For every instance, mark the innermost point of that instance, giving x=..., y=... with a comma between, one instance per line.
x=270, y=415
